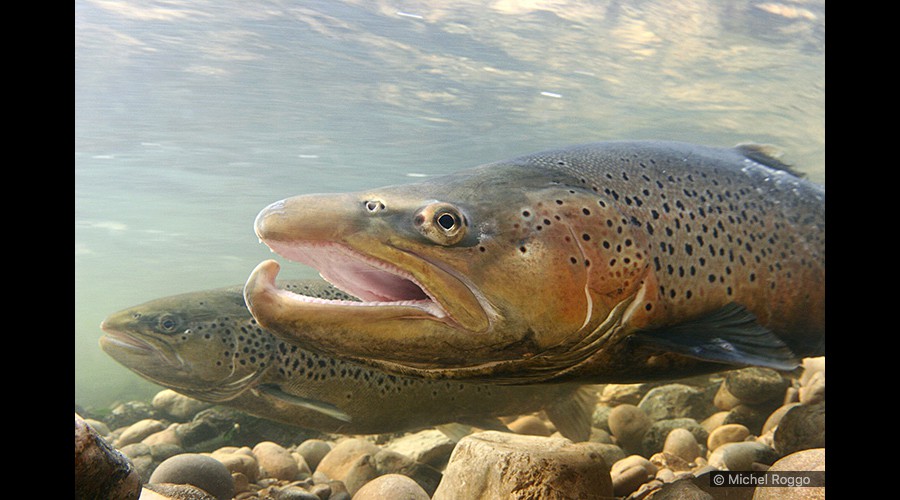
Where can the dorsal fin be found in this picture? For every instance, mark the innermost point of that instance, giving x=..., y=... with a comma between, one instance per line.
x=768, y=155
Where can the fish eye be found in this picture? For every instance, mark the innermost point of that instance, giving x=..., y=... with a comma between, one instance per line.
x=168, y=323
x=447, y=221
x=442, y=223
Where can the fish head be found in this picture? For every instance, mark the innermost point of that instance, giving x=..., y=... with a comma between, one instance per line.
x=201, y=344
x=483, y=270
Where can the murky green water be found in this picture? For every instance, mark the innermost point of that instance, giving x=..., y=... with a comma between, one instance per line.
x=191, y=116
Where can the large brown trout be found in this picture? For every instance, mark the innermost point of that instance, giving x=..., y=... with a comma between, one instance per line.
x=207, y=346
x=607, y=262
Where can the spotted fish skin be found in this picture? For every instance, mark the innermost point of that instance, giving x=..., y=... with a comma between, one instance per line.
x=207, y=345
x=712, y=227
x=607, y=262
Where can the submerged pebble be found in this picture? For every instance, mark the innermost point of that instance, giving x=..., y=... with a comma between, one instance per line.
x=643, y=457
x=394, y=486
x=682, y=443
x=198, y=470
x=675, y=401
x=178, y=406
x=313, y=451
x=802, y=427
x=628, y=424
x=728, y=433
x=755, y=385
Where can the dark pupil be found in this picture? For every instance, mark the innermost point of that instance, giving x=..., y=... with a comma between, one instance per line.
x=447, y=221
x=168, y=324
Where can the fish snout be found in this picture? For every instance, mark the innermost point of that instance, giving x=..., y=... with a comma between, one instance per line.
x=315, y=217
x=265, y=216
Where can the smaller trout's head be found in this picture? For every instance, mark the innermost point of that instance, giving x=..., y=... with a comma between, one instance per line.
x=204, y=344
x=483, y=272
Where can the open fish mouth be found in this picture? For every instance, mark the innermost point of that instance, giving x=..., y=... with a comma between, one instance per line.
x=374, y=282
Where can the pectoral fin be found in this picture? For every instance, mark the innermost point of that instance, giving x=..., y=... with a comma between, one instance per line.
x=573, y=416
x=275, y=391
x=730, y=335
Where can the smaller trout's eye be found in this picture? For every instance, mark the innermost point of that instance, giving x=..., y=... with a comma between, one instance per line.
x=168, y=323
x=442, y=223
x=373, y=206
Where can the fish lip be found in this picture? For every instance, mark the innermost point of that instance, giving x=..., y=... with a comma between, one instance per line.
x=135, y=345
x=321, y=256
x=124, y=340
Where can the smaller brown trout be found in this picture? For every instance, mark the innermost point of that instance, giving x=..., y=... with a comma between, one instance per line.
x=607, y=262
x=207, y=345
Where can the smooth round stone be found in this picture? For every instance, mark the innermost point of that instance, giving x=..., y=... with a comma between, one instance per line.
x=352, y=462
x=165, y=436
x=241, y=483
x=529, y=425
x=676, y=401
x=751, y=417
x=393, y=486
x=801, y=428
x=136, y=432
x=201, y=471
x=628, y=424
x=313, y=451
x=776, y=416
x=275, y=461
x=724, y=400
x=178, y=406
x=630, y=473
x=728, y=433
x=682, y=443
x=238, y=460
x=714, y=420
x=756, y=385
x=806, y=460
x=655, y=437
x=167, y=491
x=741, y=456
